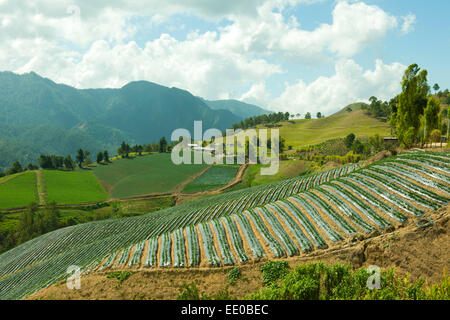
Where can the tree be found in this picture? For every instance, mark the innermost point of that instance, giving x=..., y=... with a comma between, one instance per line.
x=106, y=156
x=319, y=115
x=349, y=109
x=349, y=140
x=162, y=145
x=436, y=87
x=308, y=115
x=431, y=114
x=376, y=142
x=411, y=104
x=357, y=147
x=15, y=168
x=99, y=157
x=80, y=158
x=68, y=162
x=435, y=135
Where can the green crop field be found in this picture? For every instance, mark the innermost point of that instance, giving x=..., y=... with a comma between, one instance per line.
x=215, y=177
x=18, y=191
x=145, y=175
x=67, y=187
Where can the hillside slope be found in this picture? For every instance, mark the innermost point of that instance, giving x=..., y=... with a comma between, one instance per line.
x=239, y=108
x=288, y=218
x=39, y=116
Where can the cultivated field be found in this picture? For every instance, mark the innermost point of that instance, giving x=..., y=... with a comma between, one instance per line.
x=213, y=178
x=67, y=187
x=18, y=190
x=145, y=175
x=294, y=217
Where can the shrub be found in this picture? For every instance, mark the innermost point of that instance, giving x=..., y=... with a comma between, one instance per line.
x=234, y=275
x=274, y=270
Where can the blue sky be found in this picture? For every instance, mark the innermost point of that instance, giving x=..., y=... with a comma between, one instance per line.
x=288, y=55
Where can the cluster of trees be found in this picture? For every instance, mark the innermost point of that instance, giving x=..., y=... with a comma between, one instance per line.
x=56, y=162
x=417, y=116
x=32, y=223
x=162, y=146
x=17, y=168
x=380, y=109
x=262, y=119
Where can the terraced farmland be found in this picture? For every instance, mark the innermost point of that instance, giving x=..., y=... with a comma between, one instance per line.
x=18, y=190
x=292, y=217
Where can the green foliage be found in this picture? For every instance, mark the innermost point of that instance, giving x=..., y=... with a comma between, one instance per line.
x=274, y=270
x=234, y=274
x=308, y=115
x=191, y=292
x=119, y=275
x=261, y=119
x=431, y=113
x=349, y=139
x=318, y=281
x=411, y=104
x=15, y=168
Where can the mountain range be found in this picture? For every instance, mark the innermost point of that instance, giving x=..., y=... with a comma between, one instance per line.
x=39, y=116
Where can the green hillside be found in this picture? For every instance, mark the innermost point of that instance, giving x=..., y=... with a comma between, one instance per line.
x=39, y=116
x=67, y=187
x=18, y=190
x=145, y=175
x=305, y=132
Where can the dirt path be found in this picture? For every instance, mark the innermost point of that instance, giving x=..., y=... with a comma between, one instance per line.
x=40, y=183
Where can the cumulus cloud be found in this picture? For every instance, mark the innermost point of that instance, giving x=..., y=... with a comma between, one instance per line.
x=408, y=23
x=91, y=44
x=349, y=84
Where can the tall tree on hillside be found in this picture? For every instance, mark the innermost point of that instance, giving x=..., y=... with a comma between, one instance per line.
x=349, y=140
x=411, y=104
x=15, y=168
x=308, y=115
x=80, y=158
x=106, y=156
x=431, y=114
x=162, y=145
x=436, y=87
x=99, y=157
x=319, y=115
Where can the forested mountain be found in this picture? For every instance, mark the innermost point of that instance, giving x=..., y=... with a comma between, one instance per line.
x=239, y=108
x=38, y=116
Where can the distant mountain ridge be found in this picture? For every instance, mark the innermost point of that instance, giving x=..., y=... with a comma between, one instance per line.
x=38, y=116
x=239, y=108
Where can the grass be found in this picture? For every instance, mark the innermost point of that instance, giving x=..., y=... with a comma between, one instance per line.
x=69, y=187
x=18, y=190
x=145, y=175
x=303, y=132
x=287, y=169
x=214, y=178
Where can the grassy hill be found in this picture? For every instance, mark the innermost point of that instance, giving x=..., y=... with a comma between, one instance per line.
x=304, y=132
x=18, y=190
x=288, y=218
x=299, y=133
x=145, y=175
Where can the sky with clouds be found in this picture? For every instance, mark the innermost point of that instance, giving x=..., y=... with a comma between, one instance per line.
x=284, y=55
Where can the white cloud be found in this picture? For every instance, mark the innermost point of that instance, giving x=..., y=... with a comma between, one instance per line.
x=94, y=47
x=349, y=84
x=408, y=23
